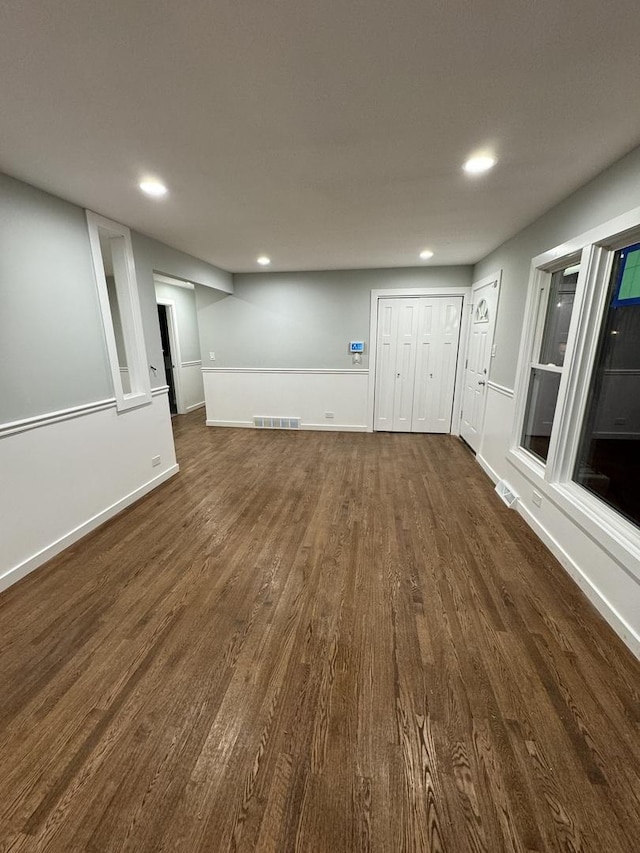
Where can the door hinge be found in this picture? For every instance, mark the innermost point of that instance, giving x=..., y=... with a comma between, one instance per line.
x=466, y=364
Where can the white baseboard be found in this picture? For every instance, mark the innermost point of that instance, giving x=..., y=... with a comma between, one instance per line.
x=324, y=427
x=245, y=424
x=622, y=628
x=488, y=470
x=194, y=407
x=22, y=569
x=336, y=427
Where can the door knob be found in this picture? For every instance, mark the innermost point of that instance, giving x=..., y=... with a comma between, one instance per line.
x=481, y=382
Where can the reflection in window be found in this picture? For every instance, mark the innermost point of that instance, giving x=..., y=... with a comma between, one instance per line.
x=107, y=250
x=559, y=308
x=608, y=462
x=541, y=406
x=548, y=361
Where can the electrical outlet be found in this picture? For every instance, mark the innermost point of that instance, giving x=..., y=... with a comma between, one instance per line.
x=329, y=415
x=536, y=497
x=155, y=461
x=212, y=356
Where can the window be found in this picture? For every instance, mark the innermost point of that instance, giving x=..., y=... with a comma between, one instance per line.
x=576, y=431
x=555, y=308
x=121, y=316
x=608, y=459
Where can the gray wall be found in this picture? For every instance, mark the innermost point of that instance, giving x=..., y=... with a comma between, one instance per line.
x=52, y=348
x=186, y=318
x=301, y=320
x=614, y=191
x=152, y=256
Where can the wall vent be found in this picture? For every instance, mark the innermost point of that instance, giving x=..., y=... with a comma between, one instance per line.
x=506, y=493
x=264, y=422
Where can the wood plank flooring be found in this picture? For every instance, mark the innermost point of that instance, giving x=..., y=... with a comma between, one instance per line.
x=317, y=642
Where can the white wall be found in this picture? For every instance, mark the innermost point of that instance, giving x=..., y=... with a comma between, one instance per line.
x=235, y=396
x=63, y=476
x=612, y=586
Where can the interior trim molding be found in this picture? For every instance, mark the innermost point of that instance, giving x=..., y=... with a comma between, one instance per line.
x=14, y=574
x=47, y=418
x=335, y=427
x=295, y=370
x=190, y=363
x=303, y=427
x=53, y=417
x=501, y=389
x=160, y=278
x=195, y=406
x=488, y=469
x=242, y=424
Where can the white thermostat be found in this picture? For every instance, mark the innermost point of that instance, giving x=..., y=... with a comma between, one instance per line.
x=356, y=346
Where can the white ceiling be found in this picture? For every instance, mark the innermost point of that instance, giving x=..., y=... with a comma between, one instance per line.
x=324, y=133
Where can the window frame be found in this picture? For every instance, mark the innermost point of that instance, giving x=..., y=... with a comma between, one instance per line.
x=542, y=277
x=619, y=537
x=542, y=269
x=130, y=315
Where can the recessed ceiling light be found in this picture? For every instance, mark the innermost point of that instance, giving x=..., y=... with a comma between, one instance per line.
x=153, y=188
x=426, y=254
x=264, y=261
x=478, y=165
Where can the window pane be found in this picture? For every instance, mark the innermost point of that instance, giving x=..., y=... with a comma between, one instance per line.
x=608, y=462
x=541, y=407
x=558, y=316
x=112, y=248
x=117, y=331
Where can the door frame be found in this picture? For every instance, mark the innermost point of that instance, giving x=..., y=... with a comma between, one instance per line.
x=476, y=285
x=400, y=293
x=174, y=343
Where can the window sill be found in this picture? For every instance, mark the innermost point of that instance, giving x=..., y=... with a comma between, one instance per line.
x=527, y=464
x=132, y=401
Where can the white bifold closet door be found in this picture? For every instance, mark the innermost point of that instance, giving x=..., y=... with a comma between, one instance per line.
x=417, y=352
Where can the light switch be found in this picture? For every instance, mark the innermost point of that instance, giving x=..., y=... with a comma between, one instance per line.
x=212, y=356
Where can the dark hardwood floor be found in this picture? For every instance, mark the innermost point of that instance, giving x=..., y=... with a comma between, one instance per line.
x=317, y=642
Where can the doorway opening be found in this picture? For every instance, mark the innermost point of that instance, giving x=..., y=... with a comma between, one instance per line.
x=167, y=356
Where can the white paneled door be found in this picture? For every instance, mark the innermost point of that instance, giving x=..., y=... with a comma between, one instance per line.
x=417, y=351
x=476, y=373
